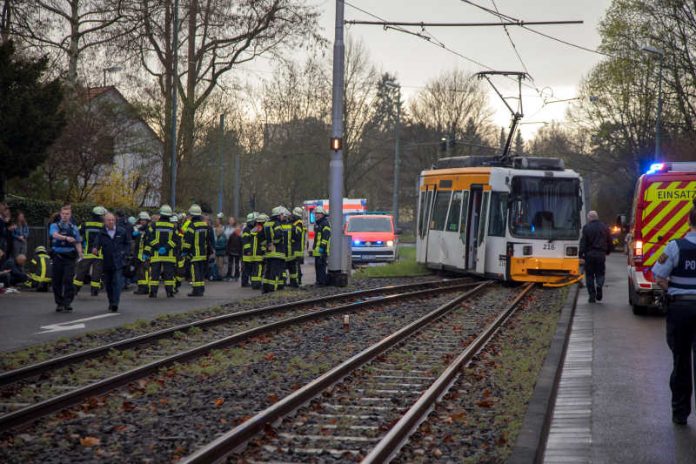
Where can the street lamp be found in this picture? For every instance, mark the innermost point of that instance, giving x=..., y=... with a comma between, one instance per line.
x=658, y=117
x=397, y=149
x=111, y=69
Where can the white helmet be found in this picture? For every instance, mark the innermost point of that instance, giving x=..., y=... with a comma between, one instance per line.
x=297, y=211
x=319, y=210
x=144, y=216
x=277, y=211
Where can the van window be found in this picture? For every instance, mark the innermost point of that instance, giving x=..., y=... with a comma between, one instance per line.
x=442, y=201
x=454, y=212
x=496, y=225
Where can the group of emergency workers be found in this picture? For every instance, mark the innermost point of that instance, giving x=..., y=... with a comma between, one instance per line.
x=171, y=248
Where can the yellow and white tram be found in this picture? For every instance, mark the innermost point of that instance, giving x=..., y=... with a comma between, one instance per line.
x=514, y=221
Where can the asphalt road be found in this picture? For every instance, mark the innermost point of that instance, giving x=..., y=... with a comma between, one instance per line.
x=631, y=412
x=28, y=318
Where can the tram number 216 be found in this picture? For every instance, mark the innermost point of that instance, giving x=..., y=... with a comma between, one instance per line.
x=549, y=246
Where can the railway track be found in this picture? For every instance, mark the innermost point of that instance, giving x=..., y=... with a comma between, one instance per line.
x=34, y=391
x=385, y=391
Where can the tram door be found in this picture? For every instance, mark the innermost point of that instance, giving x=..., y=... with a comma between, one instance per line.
x=472, y=225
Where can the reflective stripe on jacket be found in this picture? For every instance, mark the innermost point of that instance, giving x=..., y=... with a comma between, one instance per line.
x=89, y=232
x=196, y=241
x=162, y=234
x=322, y=238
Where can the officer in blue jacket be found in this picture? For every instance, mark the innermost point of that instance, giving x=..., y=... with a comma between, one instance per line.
x=113, y=243
x=675, y=272
x=66, y=248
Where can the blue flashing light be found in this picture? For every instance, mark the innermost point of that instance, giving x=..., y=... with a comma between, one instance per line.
x=379, y=242
x=656, y=167
x=356, y=242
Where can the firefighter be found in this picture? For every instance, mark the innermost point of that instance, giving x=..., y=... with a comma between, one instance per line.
x=40, y=270
x=675, y=272
x=322, y=245
x=275, y=252
x=160, y=248
x=142, y=267
x=246, y=249
x=91, y=262
x=258, y=247
x=181, y=262
x=196, y=248
x=297, y=237
x=288, y=269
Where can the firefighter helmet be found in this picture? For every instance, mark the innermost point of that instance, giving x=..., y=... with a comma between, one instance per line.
x=319, y=210
x=166, y=210
x=40, y=249
x=99, y=211
x=297, y=211
x=144, y=216
x=251, y=217
x=262, y=218
x=195, y=210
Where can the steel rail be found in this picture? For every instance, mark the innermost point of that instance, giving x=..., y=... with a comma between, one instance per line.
x=21, y=373
x=391, y=443
x=227, y=443
x=48, y=406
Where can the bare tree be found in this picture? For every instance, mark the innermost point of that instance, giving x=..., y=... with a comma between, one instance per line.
x=69, y=28
x=451, y=101
x=216, y=36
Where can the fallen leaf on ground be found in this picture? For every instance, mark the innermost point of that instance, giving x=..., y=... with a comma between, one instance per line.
x=90, y=441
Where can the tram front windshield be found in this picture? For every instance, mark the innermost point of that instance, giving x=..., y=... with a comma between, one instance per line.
x=545, y=208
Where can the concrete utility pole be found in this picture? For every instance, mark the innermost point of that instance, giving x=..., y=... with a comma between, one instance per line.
x=397, y=149
x=221, y=151
x=336, y=274
x=175, y=52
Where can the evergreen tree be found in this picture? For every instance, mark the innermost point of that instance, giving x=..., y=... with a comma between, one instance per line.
x=519, y=144
x=30, y=114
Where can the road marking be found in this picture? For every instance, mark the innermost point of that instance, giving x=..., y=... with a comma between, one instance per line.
x=72, y=325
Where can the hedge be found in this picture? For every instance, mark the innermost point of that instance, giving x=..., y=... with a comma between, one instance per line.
x=39, y=212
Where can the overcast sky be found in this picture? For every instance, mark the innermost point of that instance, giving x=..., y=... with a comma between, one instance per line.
x=552, y=65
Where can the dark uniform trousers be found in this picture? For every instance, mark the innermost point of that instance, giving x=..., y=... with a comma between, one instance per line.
x=594, y=272
x=256, y=274
x=142, y=274
x=89, y=267
x=681, y=337
x=162, y=270
x=320, y=269
x=63, y=272
x=293, y=265
x=247, y=267
x=273, y=269
x=198, y=269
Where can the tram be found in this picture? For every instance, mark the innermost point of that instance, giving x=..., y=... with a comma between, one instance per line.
x=512, y=219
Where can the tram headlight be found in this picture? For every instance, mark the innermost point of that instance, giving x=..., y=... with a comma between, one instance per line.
x=571, y=251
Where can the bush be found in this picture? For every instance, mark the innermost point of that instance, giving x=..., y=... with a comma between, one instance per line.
x=39, y=212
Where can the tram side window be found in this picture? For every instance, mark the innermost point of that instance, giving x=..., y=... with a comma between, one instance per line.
x=496, y=224
x=442, y=201
x=426, y=197
x=482, y=220
x=463, y=219
x=455, y=210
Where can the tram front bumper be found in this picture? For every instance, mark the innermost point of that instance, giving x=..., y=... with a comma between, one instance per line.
x=544, y=270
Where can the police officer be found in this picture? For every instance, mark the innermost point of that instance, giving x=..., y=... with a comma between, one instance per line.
x=675, y=272
x=161, y=248
x=276, y=250
x=595, y=245
x=66, y=247
x=40, y=270
x=91, y=263
x=246, y=249
x=322, y=245
x=197, y=247
x=258, y=250
x=297, y=246
x=142, y=267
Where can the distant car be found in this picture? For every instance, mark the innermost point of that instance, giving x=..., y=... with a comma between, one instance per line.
x=373, y=238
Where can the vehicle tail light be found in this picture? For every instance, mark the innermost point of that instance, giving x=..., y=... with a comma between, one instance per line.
x=638, y=251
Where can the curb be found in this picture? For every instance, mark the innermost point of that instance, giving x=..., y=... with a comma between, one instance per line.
x=531, y=442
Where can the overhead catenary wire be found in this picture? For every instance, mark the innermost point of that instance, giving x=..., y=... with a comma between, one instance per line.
x=428, y=38
x=543, y=34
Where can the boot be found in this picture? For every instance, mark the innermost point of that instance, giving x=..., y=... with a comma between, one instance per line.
x=141, y=290
x=170, y=292
x=153, y=292
x=94, y=291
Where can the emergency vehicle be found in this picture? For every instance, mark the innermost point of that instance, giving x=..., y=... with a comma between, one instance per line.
x=373, y=238
x=660, y=212
x=350, y=206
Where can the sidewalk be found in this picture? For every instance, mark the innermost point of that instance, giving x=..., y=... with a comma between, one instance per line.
x=613, y=404
x=29, y=318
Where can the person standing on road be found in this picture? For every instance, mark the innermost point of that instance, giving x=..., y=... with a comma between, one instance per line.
x=197, y=247
x=258, y=250
x=595, y=245
x=161, y=245
x=234, y=252
x=113, y=243
x=246, y=248
x=91, y=264
x=675, y=272
x=322, y=245
x=20, y=235
x=66, y=247
x=142, y=271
